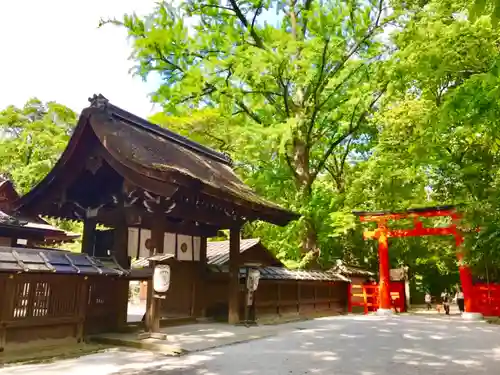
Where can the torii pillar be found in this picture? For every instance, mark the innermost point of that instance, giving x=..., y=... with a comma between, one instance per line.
x=385, y=305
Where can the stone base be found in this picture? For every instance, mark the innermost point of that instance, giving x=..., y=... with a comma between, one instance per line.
x=151, y=335
x=472, y=316
x=384, y=312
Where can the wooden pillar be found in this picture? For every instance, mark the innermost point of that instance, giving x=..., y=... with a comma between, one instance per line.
x=384, y=272
x=82, y=303
x=200, y=300
x=234, y=276
x=119, y=251
x=153, y=312
x=120, y=244
x=88, y=236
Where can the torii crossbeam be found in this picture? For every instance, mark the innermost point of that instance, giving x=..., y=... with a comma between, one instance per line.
x=383, y=232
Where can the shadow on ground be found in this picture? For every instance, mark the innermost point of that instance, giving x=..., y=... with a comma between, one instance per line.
x=351, y=345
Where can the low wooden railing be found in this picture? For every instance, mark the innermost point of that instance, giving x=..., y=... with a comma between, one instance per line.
x=48, y=307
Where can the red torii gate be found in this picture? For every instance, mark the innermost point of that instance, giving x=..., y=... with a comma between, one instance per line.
x=382, y=233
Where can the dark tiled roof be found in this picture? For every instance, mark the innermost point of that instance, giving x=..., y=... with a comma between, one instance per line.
x=41, y=260
x=218, y=251
x=30, y=228
x=34, y=223
x=11, y=220
x=281, y=273
x=144, y=262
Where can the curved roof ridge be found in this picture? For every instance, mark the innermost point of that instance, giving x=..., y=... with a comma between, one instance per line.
x=99, y=101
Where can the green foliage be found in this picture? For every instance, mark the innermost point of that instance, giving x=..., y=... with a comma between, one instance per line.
x=31, y=140
x=440, y=127
x=295, y=92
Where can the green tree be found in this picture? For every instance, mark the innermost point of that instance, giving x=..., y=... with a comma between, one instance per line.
x=304, y=77
x=32, y=139
x=441, y=129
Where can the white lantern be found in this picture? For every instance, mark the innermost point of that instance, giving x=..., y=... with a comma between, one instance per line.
x=253, y=280
x=161, y=278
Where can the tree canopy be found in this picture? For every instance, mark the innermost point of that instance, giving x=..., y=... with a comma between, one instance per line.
x=31, y=140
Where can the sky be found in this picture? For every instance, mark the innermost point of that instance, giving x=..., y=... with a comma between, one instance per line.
x=53, y=50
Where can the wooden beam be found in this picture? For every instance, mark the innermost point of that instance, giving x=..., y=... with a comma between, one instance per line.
x=398, y=216
x=191, y=208
x=185, y=203
x=179, y=226
x=88, y=236
x=234, y=277
x=413, y=232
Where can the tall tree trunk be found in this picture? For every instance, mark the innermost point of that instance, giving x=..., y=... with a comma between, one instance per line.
x=304, y=181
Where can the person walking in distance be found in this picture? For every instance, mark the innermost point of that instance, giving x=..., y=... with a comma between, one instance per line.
x=428, y=301
x=445, y=300
x=460, y=300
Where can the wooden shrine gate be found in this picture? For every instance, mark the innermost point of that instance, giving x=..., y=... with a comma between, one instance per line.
x=366, y=296
x=383, y=233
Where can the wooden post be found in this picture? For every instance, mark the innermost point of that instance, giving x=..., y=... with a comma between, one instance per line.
x=120, y=244
x=349, y=297
x=82, y=303
x=278, y=298
x=153, y=313
x=119, y=251
x=5, y=308
x=315, y=291
x=298, y=297
x=200, y=299
x=88, y=236
x=234, y=276
x=149, y=318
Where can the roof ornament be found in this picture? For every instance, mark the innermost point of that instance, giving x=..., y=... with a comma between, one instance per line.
x=228, y=157
x=98, y=101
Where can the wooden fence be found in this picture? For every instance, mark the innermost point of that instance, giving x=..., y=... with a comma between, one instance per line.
x=287, y=297
x=276, y=298
x=45, y=308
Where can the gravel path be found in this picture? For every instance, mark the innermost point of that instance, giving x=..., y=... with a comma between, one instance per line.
x=350, y=345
